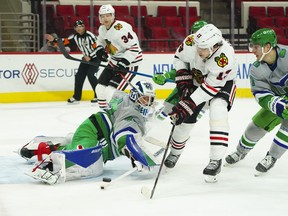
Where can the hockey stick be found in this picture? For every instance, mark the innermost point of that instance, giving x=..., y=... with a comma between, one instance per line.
x=145, y=191
x=106, y=182
x=154, y=141
x=68, y=56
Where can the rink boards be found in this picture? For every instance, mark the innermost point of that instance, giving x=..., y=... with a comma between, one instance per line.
x=50, y=77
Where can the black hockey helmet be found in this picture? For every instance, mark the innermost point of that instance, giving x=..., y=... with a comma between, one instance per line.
x=78, y=22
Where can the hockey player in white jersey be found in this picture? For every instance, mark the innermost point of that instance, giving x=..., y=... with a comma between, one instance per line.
x=117, y=39
x=161, y=79
x=214, y=71
x=268, y=76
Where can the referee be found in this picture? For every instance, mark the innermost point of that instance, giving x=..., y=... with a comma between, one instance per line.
x=86, y=42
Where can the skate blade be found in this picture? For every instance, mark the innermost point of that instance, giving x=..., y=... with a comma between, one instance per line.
x=258, y=173
x=227, y=164
x=210, y=179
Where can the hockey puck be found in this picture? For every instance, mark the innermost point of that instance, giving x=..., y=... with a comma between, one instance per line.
x=106, y=179
x=102, y=187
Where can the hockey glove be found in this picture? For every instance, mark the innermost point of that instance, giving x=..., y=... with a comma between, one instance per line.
x=279, y=106
x=184, y=82
x=160, y=79
x=101, y=54
x=123, y=64
x=182, y=110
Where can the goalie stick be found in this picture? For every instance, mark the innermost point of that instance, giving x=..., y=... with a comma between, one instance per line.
x=106, y=182
x=68, y=56
x=145, y=191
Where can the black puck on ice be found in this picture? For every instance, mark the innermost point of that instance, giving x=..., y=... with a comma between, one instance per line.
x=106, y=179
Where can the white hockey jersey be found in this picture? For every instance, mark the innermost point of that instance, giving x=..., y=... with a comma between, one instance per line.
x=120, y=41
x=186, y=57
x=217, y=69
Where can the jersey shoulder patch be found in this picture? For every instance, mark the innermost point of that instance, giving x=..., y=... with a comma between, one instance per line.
x=118, y=26
x=256, y=64
x=282, y=53
x=189, y=40
x=221, y=60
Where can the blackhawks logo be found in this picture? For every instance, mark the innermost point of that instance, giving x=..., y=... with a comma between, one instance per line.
x=221, y=60
x=118, y=26
x=110, y=48
x=189, y=40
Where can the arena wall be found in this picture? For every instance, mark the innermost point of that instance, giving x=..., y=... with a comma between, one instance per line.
x=50, y=77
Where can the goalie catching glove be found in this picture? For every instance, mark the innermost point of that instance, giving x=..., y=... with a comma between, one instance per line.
x=182, y=110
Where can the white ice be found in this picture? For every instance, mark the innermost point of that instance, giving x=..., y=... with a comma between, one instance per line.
x=180, y=191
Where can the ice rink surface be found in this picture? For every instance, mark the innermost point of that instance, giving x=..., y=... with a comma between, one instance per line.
x=180, y=191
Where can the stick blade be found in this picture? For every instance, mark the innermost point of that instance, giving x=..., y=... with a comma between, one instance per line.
x=146, y=192
x=104, y=185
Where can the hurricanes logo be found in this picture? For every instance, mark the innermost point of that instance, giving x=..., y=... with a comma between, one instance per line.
x=189, y=40
x=221, y=60
x=30, y=73
x=118, y=26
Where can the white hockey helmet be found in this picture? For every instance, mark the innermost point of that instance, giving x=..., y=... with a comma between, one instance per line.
x=106, y=9
x=143, y=94
x=207, y=37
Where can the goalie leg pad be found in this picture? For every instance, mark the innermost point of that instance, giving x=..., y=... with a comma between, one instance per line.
x=83, y=163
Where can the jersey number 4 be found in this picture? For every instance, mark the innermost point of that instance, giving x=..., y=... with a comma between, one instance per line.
x=126, y=38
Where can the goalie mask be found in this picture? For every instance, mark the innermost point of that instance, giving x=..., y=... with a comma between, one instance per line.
x=143, y=95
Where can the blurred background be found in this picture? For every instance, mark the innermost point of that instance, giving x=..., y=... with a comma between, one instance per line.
x=161, y=25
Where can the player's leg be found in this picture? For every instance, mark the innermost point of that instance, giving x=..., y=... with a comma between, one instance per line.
x=219, y=130
x=262, y=122
x=180, y=136
x=219, y=133
x=102, y=89
x=92, y=78
x=78, y=83
x=278, y=148
x=61, y=166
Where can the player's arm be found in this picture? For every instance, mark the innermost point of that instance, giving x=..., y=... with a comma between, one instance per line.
x=100, y=48
x=131, y=145
x=275, y=104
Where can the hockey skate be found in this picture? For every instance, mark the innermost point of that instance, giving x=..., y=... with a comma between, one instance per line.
x=73, y=101
x=234, y=158
x=266, y=164
x=171, y=160
x=43, y=149
x=212, y=170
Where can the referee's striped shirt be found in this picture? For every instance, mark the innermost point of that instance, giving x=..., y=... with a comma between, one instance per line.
x=86, y=43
